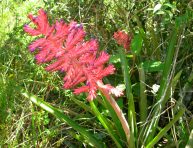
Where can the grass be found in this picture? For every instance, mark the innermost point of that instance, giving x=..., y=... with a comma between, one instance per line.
x=163, y=57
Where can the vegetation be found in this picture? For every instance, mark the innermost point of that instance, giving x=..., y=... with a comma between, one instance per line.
x=154, y=71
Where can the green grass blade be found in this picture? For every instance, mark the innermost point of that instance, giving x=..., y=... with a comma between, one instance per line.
x=101, y=118
x=116, y=121
x=172, y=86
x=106, y=125
x=191, y=123
x=165, y=84
x=143, y=97
x=166, y=128
x=187, y=87
x=131, y=106
x=82, y=104
x=190, y=141
x=91, y=139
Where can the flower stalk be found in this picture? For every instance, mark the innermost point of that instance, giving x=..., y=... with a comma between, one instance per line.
x=117, y=109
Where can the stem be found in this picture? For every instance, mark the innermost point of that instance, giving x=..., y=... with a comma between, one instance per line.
x=117, y=110
x=131, y=105
x=115, y=119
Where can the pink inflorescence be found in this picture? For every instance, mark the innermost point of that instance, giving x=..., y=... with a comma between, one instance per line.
x=123, y=39
x=64, y=47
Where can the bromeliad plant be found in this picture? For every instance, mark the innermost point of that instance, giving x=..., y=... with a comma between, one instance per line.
x=64, y=48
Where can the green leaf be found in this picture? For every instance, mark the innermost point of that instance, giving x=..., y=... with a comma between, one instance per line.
x=103, y=120
x=162, y=97
x=136, y=44
x=82, y=104
x=131, y=106
x=115, y=119
x=160, y=12
x=190, y=141
x=114, y=58
x=157, y=7
x=89, y=138
x=169, y=5
x=152, y=66
x=166, y=128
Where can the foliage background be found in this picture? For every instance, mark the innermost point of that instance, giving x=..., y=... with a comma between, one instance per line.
x=24, y=125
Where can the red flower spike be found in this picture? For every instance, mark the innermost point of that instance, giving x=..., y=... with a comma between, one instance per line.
x=122, y=39
x=64, y=45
